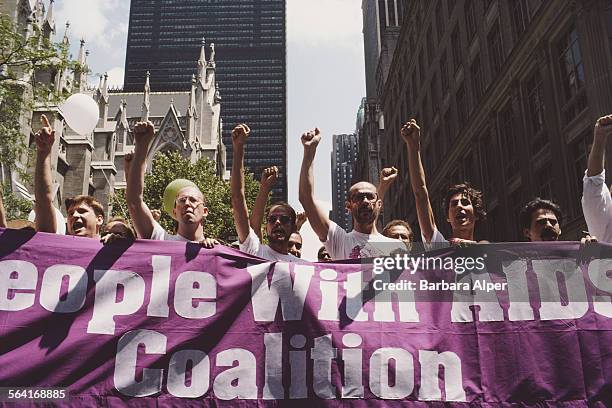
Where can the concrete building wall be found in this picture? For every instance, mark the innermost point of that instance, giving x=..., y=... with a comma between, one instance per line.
x=506, y=93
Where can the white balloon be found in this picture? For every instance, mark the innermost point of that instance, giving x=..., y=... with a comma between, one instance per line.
x=60, y=221
x=81, y=113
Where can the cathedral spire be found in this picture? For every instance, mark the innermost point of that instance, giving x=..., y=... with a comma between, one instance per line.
x=202, y=61
x=146, y=103
x=65, y=40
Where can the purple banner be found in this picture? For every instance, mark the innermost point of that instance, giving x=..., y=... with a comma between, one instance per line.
x=173, y=324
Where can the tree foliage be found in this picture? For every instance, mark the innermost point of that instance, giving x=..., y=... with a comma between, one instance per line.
x=24, y=60
x=15, y=207
x=167, y=167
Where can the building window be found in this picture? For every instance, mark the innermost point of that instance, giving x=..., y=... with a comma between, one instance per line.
x=520, y=17
x=382, y=14
x=470, y=19
x=422, y=72
x=572, y=75
x=463, y=110
x=430, y=46
x=444, y=73
x=477, y=79
x=496, y=50
x=391, y=6
x=449, y=133
x=544, y=180
x=515, y=203
x=456, y=45
x=507, y=136
x=490, y=159
x=609, y=26
x=579, y=153
x=439, y=20
x=434, y=95
x=535, y=112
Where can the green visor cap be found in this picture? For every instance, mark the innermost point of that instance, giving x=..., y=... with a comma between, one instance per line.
x=172, y=190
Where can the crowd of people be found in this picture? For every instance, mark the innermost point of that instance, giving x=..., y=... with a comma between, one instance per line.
x=540, y=219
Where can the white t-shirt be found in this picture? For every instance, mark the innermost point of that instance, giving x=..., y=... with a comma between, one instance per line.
x=597, y=206
x=437, y=241
x=252, y=245
x=160, y=234
x=353, y=245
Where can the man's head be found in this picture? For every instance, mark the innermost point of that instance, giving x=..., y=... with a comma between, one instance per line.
x=541, y=220
x=463, y=206
x=85, y=216
x=323, y=255
x=295, y=244
x=399, y=229
x=280, y=223
x=363, y=203
x=190, y=206
x=119, y=226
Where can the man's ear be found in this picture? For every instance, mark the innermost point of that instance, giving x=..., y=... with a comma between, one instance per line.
x=205, y=209
x=347, y=206
x=99, y=222
x=526, y=233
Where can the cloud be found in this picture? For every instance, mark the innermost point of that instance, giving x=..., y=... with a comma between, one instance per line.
x=115, y=77
x=324, y=23
x=90, y=20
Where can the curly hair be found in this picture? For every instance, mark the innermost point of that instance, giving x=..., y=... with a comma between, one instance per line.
x=474, y=195
x=538, y=204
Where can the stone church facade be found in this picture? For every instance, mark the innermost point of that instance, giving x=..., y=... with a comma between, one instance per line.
x=187, y=122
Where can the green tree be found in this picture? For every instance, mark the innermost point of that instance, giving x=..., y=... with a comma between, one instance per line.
x=29, y=65
x=23, y=62
x=167, y=167
x=16, y=207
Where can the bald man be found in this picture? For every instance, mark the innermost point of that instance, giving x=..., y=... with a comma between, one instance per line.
x=364, y=204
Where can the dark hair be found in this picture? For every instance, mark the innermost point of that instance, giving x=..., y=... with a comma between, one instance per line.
x=320, y=253
x=287, y=207
x=538, y=204
x=394, y=223
x=474, y=195
x=87, y=200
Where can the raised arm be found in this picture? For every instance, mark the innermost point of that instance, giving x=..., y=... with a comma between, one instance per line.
x=411, y=133
x=387, y=177
x=43, y=191
x=239, y=204
x=139, y=211
x=603, y=127
x=317, y=217
x=268, y=179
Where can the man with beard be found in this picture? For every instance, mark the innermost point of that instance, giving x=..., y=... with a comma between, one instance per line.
x=182, y=198
x=596, y=200
x=281, y=218
x=541, y=220
x=463, y=204
x=363, y=203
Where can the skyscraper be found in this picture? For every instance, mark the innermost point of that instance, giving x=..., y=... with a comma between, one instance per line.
x=165, y=38
x=343, y=158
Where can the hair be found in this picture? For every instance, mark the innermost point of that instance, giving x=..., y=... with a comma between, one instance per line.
x=394, y=223
x=117, y=218
x=473, y=194
x=320, y=253
x=87, y=200
x=286, y=206
x=538, y=204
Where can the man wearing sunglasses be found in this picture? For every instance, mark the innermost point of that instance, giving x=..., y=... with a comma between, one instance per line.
x=363, y=203
x=182, y=198
x=280, y=220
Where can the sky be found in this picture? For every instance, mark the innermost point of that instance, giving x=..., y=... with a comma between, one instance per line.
x=325, y=71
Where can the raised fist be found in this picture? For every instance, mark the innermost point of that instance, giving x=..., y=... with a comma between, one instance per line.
x=269, y=176
x=388, y=175
x=143, y=133
x=300, y=220
x=45, y=137
x=240, y=134
x=311, y=139
x=411, y=132
x=603, y=126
